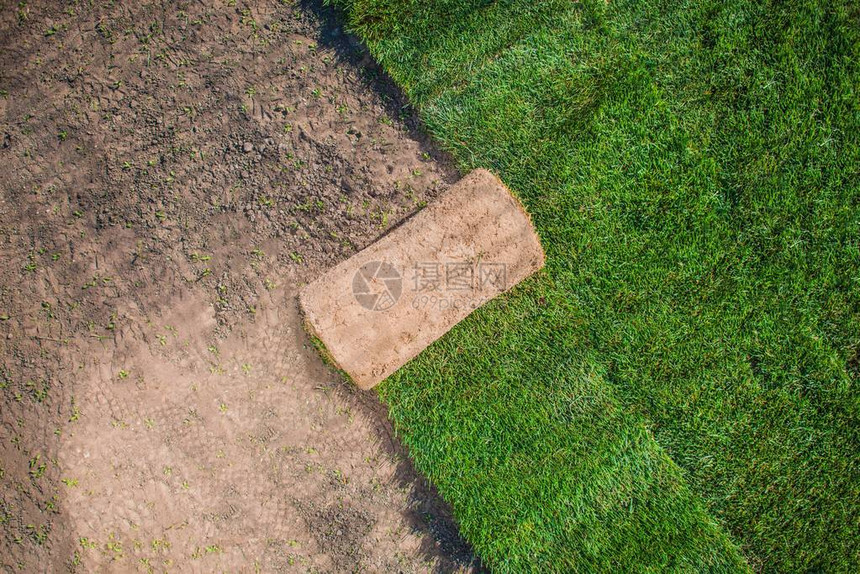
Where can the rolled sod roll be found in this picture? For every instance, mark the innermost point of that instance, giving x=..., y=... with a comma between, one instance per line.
x=385, y=304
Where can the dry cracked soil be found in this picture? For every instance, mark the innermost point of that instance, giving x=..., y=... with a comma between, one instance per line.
x=171, y=174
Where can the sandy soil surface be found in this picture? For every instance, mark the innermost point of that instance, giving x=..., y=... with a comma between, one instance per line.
x=172, y=174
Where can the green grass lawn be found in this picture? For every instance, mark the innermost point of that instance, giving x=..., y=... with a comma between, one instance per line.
x=678, y=389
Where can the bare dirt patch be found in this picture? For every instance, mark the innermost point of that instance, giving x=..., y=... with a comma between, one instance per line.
x=172, y=174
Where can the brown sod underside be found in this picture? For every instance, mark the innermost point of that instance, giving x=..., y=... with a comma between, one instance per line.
x=385, y=304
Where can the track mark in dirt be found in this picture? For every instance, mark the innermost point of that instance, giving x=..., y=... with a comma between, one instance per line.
x=251, y=447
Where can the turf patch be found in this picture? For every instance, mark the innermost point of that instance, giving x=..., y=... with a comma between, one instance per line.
x=693, y=171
